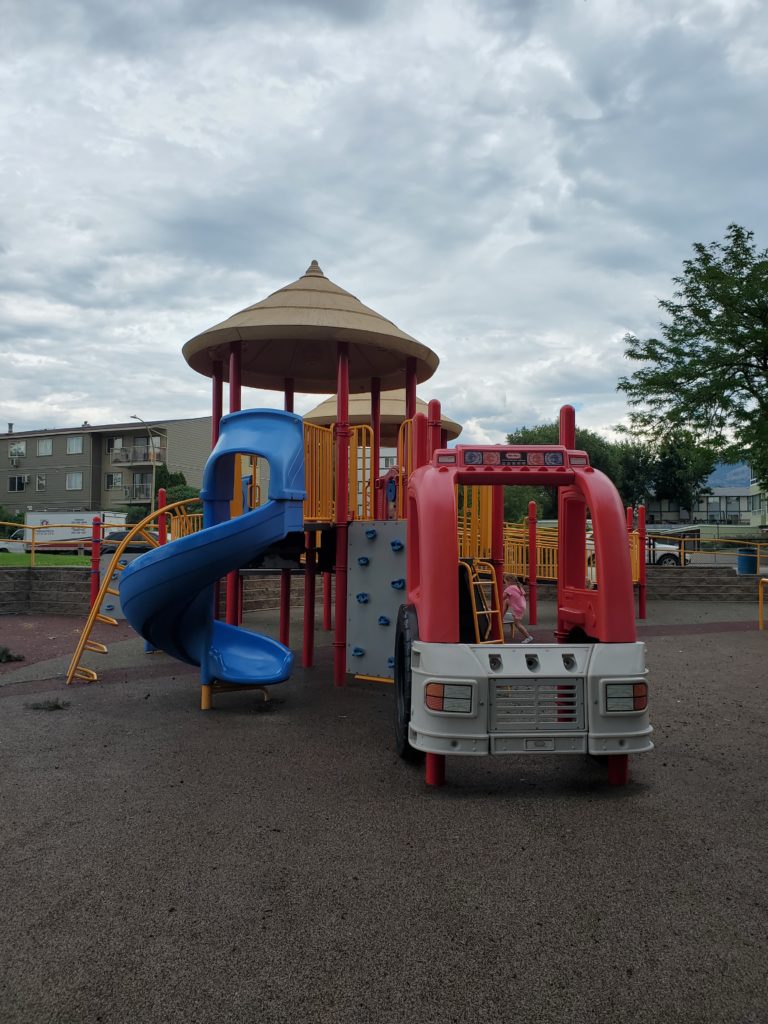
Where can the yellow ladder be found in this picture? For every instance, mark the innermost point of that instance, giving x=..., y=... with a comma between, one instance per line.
x=484, y=594
x=76, y=670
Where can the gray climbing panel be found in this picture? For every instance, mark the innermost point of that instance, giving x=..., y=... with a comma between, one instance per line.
x=376, y=589
x=111, y=603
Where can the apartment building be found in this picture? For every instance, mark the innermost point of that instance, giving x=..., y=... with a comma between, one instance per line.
x=79, y=469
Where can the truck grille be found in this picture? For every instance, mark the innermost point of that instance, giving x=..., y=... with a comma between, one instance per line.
x=537, y=705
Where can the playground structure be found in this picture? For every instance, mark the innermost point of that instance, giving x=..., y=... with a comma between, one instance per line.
x=417, y=568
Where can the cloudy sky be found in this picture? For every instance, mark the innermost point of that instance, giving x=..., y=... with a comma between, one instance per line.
x=513, y=182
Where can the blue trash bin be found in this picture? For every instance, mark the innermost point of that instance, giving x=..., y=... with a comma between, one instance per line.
x=746, y=562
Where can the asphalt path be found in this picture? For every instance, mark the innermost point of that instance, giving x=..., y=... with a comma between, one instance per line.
x=161, y=864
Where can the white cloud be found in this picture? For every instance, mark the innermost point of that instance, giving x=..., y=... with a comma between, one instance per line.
x=514, y=184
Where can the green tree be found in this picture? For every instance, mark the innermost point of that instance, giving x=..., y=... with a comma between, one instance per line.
x=166, y=479
x=603, y=455
x=681, y=469
x=181, y=492
x=707, y=371
x=636, y=464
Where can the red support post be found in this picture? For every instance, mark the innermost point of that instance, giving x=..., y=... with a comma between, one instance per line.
x=285, y=607
x=497, y=548
x=342, y=507
x=95, y=559
x=533, y=567
x=642, y=590
x=434, y=426
x=376, y=429
x=285, y=574
x=235, y=401
x=217, y=401
x=308, y=650
x=235, y=376
x=162, y=521
x=568, y=427
x=435, y=770
x=419, y=441
x=217, y=409
x=327, y=605
x=410, y=387
x=618, y=769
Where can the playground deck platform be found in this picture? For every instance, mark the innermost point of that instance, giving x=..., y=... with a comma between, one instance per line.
x=284, y=864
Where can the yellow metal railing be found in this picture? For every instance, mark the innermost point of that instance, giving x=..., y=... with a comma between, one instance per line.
x=318, y=473
x=361, y=479
x=32, y=546
x=76, y=670
x=404, y=464
x=484, y=595
x=474, y=521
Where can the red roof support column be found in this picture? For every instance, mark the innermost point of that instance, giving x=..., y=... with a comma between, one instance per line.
x=235, y=399
x=217, y=401
x=568, y=427
x=285, y=574
x=434, y=426
x=410, y=387
x=235, y=376
x=342, y=506
x=376, y=449
x=497, y=548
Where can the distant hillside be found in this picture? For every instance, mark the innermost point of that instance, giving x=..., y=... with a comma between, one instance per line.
x=736, y=475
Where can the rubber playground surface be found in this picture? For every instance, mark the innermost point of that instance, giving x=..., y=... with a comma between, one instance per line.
x=280, y=863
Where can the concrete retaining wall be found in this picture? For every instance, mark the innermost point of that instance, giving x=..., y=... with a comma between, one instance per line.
x=66, y=591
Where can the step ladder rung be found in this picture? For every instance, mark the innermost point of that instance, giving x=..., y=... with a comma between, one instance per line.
x=114, y=593
x=96, y=646
x=86, y=674
x=107, y=619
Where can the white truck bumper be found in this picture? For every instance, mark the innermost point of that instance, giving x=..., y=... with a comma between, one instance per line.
x=525, y=699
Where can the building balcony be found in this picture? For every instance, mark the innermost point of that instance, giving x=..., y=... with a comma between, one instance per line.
x=137, y=455
x=139, y=493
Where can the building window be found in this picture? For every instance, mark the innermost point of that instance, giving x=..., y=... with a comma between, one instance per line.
x=75, y=447
x=114, y=481
x=114, y=443
x=17, y=483
x=40, y=482
x=45, y=446
x=17, y=449
x=75, y=481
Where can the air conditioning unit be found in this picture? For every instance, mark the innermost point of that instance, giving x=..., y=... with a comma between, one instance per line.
x=14, y=461
x=26, y=479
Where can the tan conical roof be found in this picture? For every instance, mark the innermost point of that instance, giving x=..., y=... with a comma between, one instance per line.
x=294, y=331
x=392, y=410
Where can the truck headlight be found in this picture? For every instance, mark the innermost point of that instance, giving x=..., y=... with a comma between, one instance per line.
x=450, y=697
x=624, y=697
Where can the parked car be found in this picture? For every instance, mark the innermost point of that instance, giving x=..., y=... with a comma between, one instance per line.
x=137, y=545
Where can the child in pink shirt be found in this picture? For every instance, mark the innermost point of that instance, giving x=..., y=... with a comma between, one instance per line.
x=514, y=606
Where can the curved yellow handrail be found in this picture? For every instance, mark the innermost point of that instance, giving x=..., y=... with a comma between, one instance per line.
x=75, y=671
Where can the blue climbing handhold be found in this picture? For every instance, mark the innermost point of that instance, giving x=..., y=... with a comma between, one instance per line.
x=396, y=545
x=362, y=598
x=358, y=652
x=399, y=584
x=370, y=533
x=390, y=662
x=383, y=620
x=362, y=560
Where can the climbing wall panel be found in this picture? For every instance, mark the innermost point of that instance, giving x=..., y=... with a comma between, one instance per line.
x=376, y=589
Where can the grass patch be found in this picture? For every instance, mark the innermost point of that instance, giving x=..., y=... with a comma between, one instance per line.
x=7, y=559
x=49, y=705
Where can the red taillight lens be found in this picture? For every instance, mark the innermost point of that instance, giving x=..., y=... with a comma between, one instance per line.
x=640, y=696
x=455, y=698
x=434, y=695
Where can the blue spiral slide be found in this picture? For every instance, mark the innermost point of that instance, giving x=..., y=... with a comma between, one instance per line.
x=167, y=593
